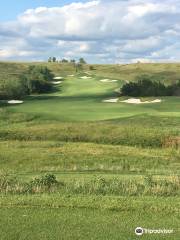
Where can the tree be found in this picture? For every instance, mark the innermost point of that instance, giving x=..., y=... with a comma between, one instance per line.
x=49, y=59
x=64, y=60
x=38, y=79
x=13, y=89
x=54, y=59
x=145, y=87
x=82, y=61
x=79, y=67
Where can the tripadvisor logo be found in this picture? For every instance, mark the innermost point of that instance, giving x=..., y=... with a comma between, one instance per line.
x=140, y=231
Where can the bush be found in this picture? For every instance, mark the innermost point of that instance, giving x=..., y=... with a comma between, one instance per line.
x=13, y=89
x=42, y=184
x=145, y=87
x=38, y=79
x=92, y=68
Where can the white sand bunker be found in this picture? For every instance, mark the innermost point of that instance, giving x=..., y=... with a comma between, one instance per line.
x=15, y=102
x=85, y=77
x=117, y=90
x=112, y=100
x=138, y=101
x=57, y=78
x=71, y=75
x=56, y=83
x=108, y=80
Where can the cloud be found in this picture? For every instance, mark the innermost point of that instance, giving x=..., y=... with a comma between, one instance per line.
x=100, y=31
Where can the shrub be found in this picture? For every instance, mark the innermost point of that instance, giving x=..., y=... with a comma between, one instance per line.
x=38, y=79
x=44, y=183
x=145, y=87
x=13, y=89
x=92, y=68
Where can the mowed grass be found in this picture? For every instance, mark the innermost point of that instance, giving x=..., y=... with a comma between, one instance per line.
x=118, y=163
x=57, y=217
x=79, y=99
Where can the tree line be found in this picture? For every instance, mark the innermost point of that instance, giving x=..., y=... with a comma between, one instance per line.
x=145, y=86
x=55, y=60
x=36, y=80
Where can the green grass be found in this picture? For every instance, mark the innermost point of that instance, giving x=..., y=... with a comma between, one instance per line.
x=119, y=163
x=65, y=217
x=87, y=96
x=42, y=156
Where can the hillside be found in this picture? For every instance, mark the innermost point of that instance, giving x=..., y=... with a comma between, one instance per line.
x=166, y=72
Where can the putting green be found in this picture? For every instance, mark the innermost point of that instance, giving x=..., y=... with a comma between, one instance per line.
x=77, y=99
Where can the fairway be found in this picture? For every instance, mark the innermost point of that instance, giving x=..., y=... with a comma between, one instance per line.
x=77, y=99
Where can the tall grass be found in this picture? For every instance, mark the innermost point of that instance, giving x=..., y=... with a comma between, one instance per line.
x=104, y=133
x=96, y=186
x=137, y=131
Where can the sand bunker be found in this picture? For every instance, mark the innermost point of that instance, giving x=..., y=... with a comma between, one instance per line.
x=56, y=83
x=112, y=100
x=138, y=101
x=57, y=78
x=108, y=80
x=117, y=90
x=15, y=102
x=85, y=77
x=70, y=75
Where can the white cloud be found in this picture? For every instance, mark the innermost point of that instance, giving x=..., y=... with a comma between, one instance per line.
x=98, y=30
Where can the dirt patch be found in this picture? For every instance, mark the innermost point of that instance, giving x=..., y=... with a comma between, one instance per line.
x=172, y=142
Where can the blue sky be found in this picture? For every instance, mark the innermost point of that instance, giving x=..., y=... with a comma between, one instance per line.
x=101, y=31
x=9, y=9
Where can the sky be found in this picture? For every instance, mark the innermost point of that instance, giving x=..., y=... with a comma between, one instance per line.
x=9, y=9
x=101, y=31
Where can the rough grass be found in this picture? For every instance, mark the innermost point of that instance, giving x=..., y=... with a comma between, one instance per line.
x=148, y=186
x=41, y=156
x=167, y=72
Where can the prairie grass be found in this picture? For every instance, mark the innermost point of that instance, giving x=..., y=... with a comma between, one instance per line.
x=53, y=156
x=96, y=186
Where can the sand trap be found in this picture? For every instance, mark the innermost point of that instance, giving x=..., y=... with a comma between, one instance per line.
x=112, y=100
x=108, y=80
x=117, y=90
x=156, y=101
x=57, y=78
x=85, y=77
x=138, y=101
x=15, y=102
x=56, y=83
x=70, y=75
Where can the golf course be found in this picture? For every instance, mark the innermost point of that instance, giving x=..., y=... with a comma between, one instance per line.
x=84, y=162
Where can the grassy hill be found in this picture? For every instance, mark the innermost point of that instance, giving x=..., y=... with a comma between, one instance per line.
x=117, y=165
x=166, y=72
